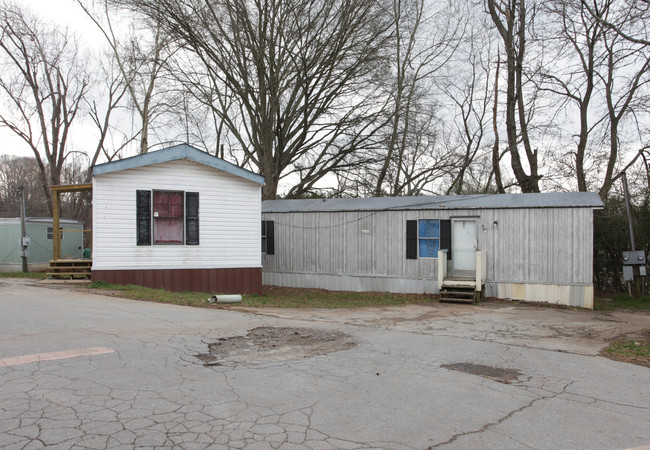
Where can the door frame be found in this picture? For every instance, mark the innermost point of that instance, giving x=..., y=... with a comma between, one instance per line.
x=477, y=245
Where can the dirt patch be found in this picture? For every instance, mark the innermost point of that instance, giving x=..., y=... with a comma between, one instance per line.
x=633, y=348
x=499, y=374
x=265, y=344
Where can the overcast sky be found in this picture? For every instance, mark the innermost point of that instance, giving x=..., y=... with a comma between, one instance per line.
x=62, y=13
x=59, y=11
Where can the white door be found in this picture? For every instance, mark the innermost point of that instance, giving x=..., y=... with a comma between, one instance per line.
x=464, y=243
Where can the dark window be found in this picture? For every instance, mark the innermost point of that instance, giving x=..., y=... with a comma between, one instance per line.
x=268, y=237
x=171, y=217
x=50, y=232
x=168, y=214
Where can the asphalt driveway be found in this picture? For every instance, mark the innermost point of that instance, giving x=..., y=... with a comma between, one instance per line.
x=79, y=370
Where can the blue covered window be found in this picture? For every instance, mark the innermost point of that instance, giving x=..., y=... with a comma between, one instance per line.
x=428, y=238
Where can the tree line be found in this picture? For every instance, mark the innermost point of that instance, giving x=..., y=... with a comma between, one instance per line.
x=343, y=97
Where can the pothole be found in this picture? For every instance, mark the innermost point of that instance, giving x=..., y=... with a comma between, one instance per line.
x=265, y=344
x=494, y=373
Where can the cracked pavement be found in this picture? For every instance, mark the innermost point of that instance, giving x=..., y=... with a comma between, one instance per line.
x=79, y=370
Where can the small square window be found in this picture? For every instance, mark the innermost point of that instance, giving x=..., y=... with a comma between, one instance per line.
x=50, y=233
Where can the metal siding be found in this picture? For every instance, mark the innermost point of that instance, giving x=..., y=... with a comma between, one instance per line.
x=40, y=248
x=226, y=281
x=551, y=246
x=230, y=217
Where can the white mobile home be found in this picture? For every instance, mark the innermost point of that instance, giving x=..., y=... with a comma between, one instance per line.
x=180, y=219
x=534, y=247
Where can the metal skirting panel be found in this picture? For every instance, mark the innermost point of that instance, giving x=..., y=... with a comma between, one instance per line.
x=580, y=295
x=222, y=281
x=18, y=267
x=356, y=283
x=577, y=295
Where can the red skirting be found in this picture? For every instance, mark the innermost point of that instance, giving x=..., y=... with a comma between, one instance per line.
x=214, y=281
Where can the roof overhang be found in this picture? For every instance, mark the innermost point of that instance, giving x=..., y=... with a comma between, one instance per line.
x=177, y=152
x=430, y=202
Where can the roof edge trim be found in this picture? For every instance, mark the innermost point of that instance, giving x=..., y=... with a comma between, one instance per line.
x=175, y=153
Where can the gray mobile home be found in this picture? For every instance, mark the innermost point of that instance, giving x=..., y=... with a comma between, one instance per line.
x=532, y=247
x=39, y=231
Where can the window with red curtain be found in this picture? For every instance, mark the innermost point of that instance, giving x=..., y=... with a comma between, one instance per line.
x=168, y=217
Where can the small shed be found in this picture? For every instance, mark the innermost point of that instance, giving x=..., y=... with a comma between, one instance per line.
x=532, y=247
x=40, y=232
x=179, y=219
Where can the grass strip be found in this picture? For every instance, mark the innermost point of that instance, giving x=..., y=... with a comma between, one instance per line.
x=272, y=296
x=633, y=351
x=622, y=302
x=33, y=275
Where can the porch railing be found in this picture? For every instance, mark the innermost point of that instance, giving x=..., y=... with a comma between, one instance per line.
x=479, y=275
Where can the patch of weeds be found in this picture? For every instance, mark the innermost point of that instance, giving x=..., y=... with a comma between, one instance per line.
x=33, y=275
x=272, y=296
x=622, y=301
x=104, y=285
x=629, y=350
x=282, y=297
x=156, y=295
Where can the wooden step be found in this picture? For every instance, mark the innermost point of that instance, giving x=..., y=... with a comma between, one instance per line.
x=458, y=294
x=456, y=300
x=70, y=268
x=71, y=262
x=68, y=274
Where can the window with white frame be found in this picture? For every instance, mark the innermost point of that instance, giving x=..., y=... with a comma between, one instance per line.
x=167, y=217
x=428, y=238
x=50, y=233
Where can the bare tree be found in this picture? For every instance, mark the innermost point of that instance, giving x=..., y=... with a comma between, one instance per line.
x=142, y=55
x=511, y=19
x=496, y=152
x=425, y=39
x=101, y=114
x=44, y=81
x=628, y=18
x=626, y=74
x=576, y=39
x=471, y=93
x=15, y=173
x=300, y=73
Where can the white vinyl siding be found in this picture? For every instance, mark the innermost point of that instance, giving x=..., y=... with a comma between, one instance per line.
x=229, y=219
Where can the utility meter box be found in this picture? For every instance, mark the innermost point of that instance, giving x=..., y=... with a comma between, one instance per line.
x=632, y=260
x=636, y=258
x=628, y=273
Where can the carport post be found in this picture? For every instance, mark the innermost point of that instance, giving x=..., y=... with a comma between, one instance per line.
x=56, y=234
x=23, y=215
